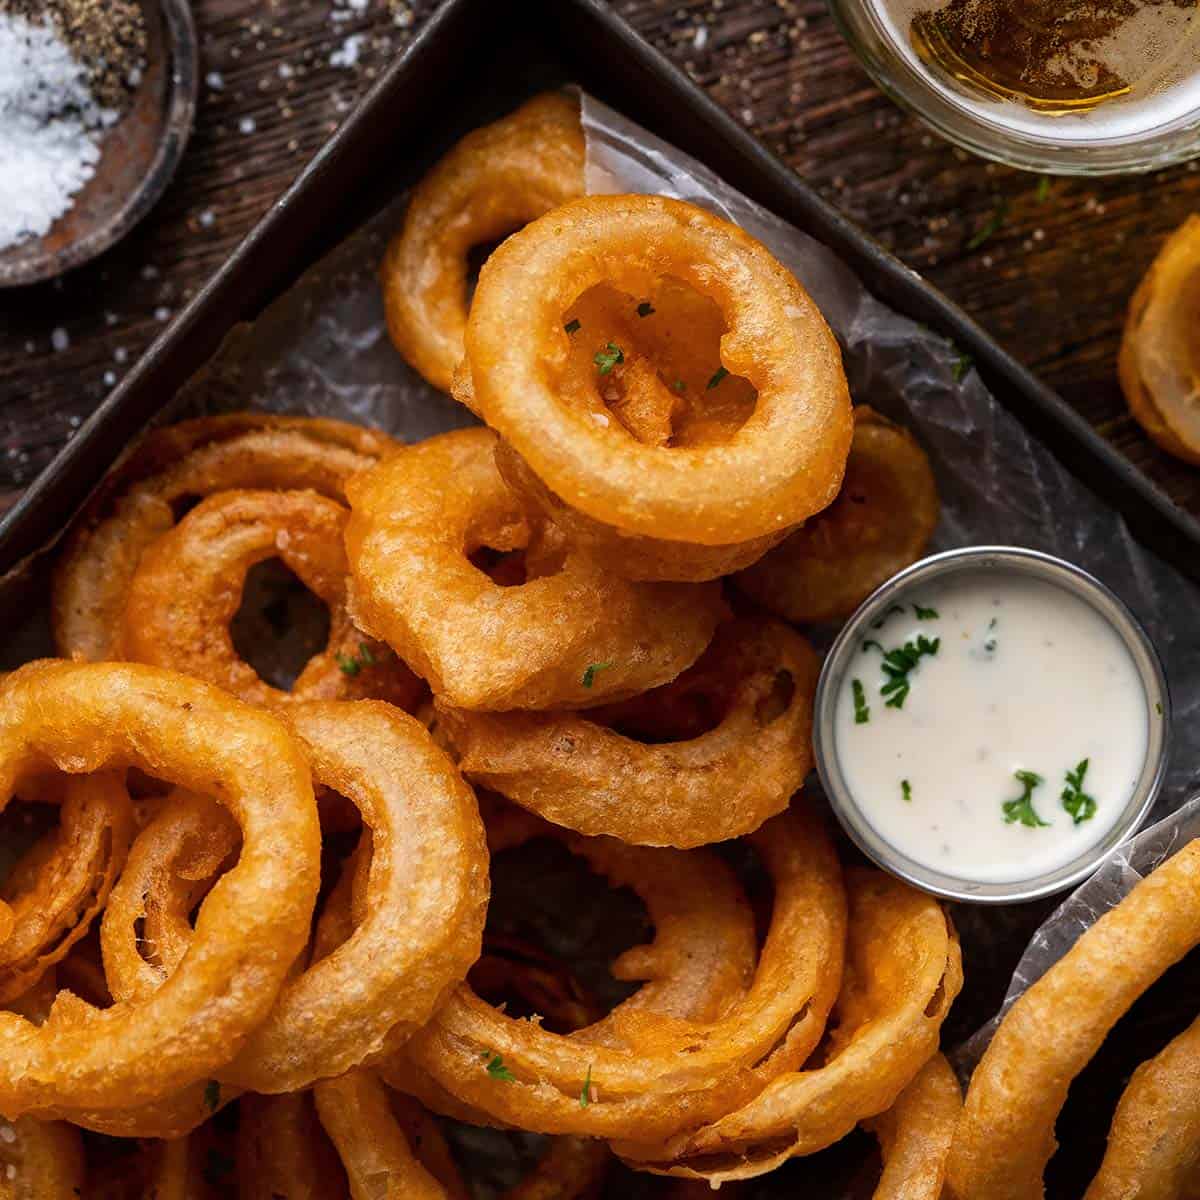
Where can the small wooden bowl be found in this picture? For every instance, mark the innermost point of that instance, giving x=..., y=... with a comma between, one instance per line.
x=138, y=156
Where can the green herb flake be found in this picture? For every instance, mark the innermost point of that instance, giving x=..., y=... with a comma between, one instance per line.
x=925, y=614
x=990, y=226
x=585, y=1096
x=900, y=662
x=1158, y=707
x=718, y=375
x=573, y=325
x=862, y=710
x=906, y=791
x=1021, y=809
x=212, y=1095
x=1043, y=189
x=1075, y=800
x=645, y=309
x=608, y=358
x=679, y=386
x=592, y=669
x=496, y=1068
x=352, y=666
x=891, y=612
x=872, y=644
x=962, y=365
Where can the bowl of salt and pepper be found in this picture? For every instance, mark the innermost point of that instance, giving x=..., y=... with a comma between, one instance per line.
x=97, y=100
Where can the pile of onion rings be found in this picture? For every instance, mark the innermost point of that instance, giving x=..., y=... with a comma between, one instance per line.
x=246, y=951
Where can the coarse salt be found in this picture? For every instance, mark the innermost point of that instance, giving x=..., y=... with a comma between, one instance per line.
x=50, y=128
x=348, y=53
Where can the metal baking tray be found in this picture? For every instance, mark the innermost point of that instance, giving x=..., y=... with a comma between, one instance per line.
x=473, y=60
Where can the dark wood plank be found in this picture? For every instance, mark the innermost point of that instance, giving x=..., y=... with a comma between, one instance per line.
x=1051, y=284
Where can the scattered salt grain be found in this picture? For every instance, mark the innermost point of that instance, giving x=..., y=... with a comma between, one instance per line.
x=348, y=53
x=50, y=128
x=162, y=313
x=207, y=218
x=60, y=339
x=110, y=378
x=215, y=80
x=247, y=125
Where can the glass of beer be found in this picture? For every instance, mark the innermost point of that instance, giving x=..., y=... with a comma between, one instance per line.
x=1077, y=87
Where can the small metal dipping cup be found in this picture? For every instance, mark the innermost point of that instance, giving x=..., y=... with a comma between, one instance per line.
x=980, y=560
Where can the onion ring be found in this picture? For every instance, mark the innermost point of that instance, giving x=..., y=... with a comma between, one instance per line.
x=495, y=180
x=188, y=586
x=40, y=1160
x=60, y=885
x=781, y=466
x=915, y=1134
x=1001, y=1146
x=571, y=636
x=881, y=522
x=1158, y=359
x=1154, y=1140
x=88, y=717
x=282, y=1151
x=194, y=459
x=654, y=1074
x=725, y=782
x=903, y=970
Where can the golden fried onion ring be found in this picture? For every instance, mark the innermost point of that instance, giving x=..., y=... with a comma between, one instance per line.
x=1006, y=1134
x=188, y=586
x=881, y=522
x=1159, y=363
x=190, y=460
x=1154, y=1140
x=652, y=1074
x=495, y=180
x=571, y=636
x=723, y=783
x=282, y=1151
x=84, y=718
x=903, y=970
x=40, y=1160
x=56, y=890
x=781, y=466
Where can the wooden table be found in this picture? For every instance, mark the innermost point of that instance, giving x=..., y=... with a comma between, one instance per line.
x=1051, y=283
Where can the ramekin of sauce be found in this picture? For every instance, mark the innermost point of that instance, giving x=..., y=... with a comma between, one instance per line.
x=991, y=724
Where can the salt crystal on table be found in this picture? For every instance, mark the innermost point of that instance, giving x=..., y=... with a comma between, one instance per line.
x=50, y=128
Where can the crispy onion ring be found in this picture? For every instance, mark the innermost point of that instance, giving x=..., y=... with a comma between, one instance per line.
x=425, y=898
x=194, y=459
x=579, y=772
x=1154, y=1140
x=40, y=1160
x=655, y=1074
x=903, y=970
x=90, y=717
x=881, y=522
x=915, y=1135
x=59, y=886
x=781, y=466
x=188, y=586
x=282, y=1151
x=495, y=180
x=1159, y=363
x=1006, y=1134
x=571, y=636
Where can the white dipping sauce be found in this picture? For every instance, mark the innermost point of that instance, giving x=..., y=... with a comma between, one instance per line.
x=1027, y=677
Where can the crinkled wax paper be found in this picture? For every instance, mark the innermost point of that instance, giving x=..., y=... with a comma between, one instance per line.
x=322, y=348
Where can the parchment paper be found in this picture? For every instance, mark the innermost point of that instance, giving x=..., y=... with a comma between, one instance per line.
x=322, y=349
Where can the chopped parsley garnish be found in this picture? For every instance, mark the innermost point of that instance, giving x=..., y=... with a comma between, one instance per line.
x=217, y=1167
x=353, y=665
x=573, y=325
x=1043, y=189
x=895, y=608
x=645, y=308
x=989, y=644
x=962, y=364
x=608, y=358
x=589, y=674
x=906, y=791
x=212, y=1095
x=925, y=614
x=1158, y=707
x=991, y=225
x=718, y=375
x=862, y=711
x=899, y=662
x=585, y=1096
x=496, y=1068
x=1021, y=809
x=872, y=644
x=1075, y=800
x=679, y=386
